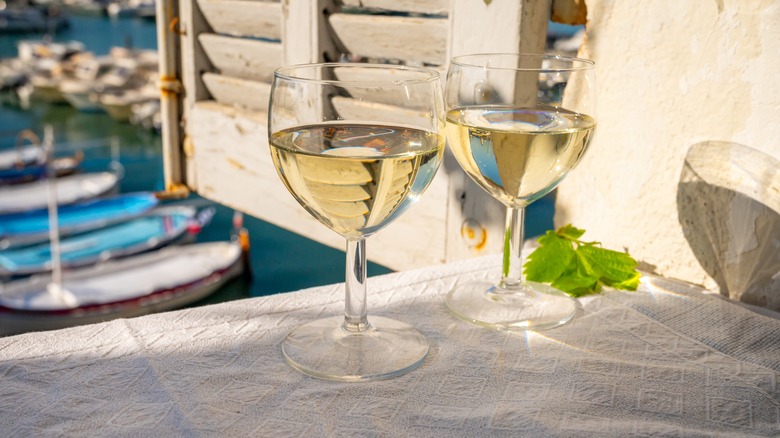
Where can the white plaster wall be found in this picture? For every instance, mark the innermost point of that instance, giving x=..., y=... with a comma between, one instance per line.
x=671, y=73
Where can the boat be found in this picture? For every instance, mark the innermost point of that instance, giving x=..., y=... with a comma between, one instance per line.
x=108, y=74
x=44, y=82
x=89, y=76
x=22, y=156
x=152, y=282
x=13, y=73
x=141, y=88
x=33, y=227
x=159, y=228
x=147, y=12
x=70, y=189
x=29, y=20
x=62, y=166
x=85, y=7
x=119, y=106
x=27, y=162
x=147, y=115
x=31, y=50
x=130, y=8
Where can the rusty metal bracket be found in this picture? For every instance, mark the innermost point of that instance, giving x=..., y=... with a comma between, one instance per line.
x=173, y=191
x=170, y=85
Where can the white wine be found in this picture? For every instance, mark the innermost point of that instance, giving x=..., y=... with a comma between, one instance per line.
x=518, y=154
x=356, y=178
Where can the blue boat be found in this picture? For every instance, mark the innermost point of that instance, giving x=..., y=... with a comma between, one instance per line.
x=63, y=166
x=158, y=228
x=33, y=227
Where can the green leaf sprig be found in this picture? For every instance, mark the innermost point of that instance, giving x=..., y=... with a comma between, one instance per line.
x=579, y=268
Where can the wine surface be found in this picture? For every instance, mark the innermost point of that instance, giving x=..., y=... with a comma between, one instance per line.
x=354, y=178
x=518, y=154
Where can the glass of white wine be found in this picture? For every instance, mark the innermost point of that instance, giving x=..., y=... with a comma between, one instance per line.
x=517, y=124
x=356, y=145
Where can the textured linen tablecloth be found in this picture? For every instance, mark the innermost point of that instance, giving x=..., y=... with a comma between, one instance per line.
x=666, y=360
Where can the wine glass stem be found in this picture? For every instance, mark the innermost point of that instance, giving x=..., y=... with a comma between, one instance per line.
x=512, y=271
x=355, y=310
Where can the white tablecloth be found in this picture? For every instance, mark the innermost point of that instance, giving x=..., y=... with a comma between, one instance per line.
x=663, y=361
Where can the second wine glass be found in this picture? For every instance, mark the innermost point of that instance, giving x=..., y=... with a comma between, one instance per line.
x=356, y=145
x=517, y=124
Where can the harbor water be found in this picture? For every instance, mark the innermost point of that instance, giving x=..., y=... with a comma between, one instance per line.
x=280, y=260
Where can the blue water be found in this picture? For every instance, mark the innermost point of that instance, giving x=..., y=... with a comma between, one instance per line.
x=280, y=261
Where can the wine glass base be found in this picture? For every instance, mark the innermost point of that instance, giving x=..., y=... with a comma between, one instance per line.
x=326, y=350
x=530, y=306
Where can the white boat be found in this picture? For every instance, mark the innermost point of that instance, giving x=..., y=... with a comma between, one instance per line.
x=147, y=12
x=138, y=285
x=41, y=62
x=70, y=189
x=31, y=50
x=130, y=8
x=89, y=77
x=47, y=76
x=28, y=163
x=80, y=95
x=119, y=106
x=13, y=73
x=21, y=156
x=43, y=85
x=147, y=115
x=85, y=7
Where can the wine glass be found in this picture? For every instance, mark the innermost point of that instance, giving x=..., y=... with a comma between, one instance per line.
x=356, y=145
x=517, y=124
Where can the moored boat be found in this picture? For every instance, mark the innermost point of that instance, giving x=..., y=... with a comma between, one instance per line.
x=21, y=156
x=130, y=8
x=70, y=189
x=13, y=73
x=159, y=228
x=33, y=226
x=31, y=50
x=85, y=7
x=80, y=90
x=120, y=106
x=153, y=282
x=62, y=166
x=29, y=20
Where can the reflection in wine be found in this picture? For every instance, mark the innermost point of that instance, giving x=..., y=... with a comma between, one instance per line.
x=356, y=178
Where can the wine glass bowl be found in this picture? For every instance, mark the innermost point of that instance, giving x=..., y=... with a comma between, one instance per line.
x=356, y=145
x=517, y=124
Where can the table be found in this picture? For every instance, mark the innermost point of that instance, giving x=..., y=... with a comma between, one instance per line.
x=666, y=360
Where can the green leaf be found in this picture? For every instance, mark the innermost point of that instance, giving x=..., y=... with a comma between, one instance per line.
x=628, y=284
x=570, y=232
x=549, y=261
x=579, y=271
x=575, y=280
x=612, y=267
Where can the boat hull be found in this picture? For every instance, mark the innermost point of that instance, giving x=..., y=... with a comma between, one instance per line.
x=33, y=227
x=161, y=227
x=70, y=189
x=47, y=92
x=15, y=320
x=118, y=112
x=82, y=101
